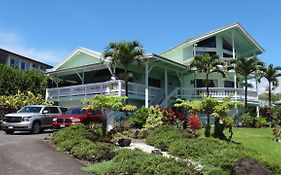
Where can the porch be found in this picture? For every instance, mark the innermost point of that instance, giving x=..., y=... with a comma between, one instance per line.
x=235, y=94
x=117, y=87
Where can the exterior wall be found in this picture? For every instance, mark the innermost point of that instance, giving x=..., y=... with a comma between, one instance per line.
x=78, y=60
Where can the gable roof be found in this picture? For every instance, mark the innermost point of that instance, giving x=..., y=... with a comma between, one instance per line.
x=76, y=51
x=26, y=58
x=214, y=32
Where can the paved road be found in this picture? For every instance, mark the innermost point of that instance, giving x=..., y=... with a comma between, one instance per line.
x=26, y=154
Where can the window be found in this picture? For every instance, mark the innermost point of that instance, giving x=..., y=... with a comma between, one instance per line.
x=225, y=55
x=22, y=66
x=12, y=62
x=154, y=82
x=210, y=42
x=228, y=84
x=203, y=52
x=27, y=66
x=54, y=110
x=63, y=110
x=201, y=83
x=226, y=45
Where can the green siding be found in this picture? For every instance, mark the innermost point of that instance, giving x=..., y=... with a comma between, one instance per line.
x=79, y=59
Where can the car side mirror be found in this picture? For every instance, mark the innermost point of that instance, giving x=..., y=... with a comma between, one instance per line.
x=45, y=112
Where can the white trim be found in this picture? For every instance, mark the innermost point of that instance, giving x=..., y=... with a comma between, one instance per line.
x=76, y=51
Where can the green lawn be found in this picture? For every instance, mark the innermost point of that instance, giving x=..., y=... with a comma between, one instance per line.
x=260, y=140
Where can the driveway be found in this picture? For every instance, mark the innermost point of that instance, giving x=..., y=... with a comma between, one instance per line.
x=26, y=154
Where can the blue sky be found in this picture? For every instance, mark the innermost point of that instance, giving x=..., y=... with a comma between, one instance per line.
x=48, y=30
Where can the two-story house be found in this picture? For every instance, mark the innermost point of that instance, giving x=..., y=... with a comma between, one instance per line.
x=159, y=78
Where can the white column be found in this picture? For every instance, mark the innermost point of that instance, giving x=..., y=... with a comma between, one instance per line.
x=233, y=56
x=146, y=85
x=119, y=88
x=166, y=88
x=234, y=77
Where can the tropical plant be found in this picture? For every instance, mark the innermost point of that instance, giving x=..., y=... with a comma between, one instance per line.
x=21, y=99
x=124, y=53
x=107, y=104
x=271, y=73
x=13, y=80
x=207, y=64
x=139, y=119
x=245, y=67
x=155, y=118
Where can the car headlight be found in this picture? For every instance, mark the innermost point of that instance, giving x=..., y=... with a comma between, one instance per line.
x=75, y=120
x=26, y=119
x=55, y=119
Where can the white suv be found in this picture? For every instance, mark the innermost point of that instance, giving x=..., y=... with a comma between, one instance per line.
x=34, y=118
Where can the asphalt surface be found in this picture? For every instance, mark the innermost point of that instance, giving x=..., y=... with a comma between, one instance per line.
x=27, y=154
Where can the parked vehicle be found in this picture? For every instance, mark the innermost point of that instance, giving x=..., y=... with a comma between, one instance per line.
x=34, y=118
x=76, y=115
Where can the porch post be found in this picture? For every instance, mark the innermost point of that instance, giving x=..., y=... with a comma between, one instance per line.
x=166, y=88
x=146, y=85
x=234, y=77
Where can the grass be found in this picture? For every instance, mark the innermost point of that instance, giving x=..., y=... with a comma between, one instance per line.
x=261, y=141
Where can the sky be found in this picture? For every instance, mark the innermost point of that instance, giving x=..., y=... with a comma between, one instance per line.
x=47, y=30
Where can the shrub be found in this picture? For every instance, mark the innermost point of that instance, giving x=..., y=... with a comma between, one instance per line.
x=139, y=119
x=194, y=122
x=260, y=122
x=71, y=133
x=154, y=119
x=138, y=162
x=75, y=140
x=165, y=135
x=169, y=115
x=277, y=134
x=93, y=151
x=277, y=116
x=216, y=156
x=248, y=120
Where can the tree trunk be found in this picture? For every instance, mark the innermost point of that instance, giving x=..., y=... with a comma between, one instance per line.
x=269, y=93
x=246, y=92
x=208, y=94
x=126, y=84
x=218, y=130
x=207, y=85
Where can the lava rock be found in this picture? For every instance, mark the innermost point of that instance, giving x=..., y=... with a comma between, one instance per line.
x=124, y=142
x=163, y=147
x=93, y=138
x=157, y=152
x=247, y=166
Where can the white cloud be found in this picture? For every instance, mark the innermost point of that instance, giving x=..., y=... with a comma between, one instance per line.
x=16, y=43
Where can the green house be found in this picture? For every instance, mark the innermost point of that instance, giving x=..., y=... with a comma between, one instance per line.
x=159, y=78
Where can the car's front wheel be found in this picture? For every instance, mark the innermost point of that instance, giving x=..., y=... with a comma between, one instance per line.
x=9, y=131
x=36, y=128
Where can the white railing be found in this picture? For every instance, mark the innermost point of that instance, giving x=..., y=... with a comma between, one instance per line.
x=109, y=87
x=216, y=92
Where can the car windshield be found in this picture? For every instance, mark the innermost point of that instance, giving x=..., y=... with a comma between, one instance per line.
x=75, y=111
x=28, y=109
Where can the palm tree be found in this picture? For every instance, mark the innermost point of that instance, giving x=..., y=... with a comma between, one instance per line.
x=124, y=53
x=271, y=73
x=207, y=64
x=245, y=67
